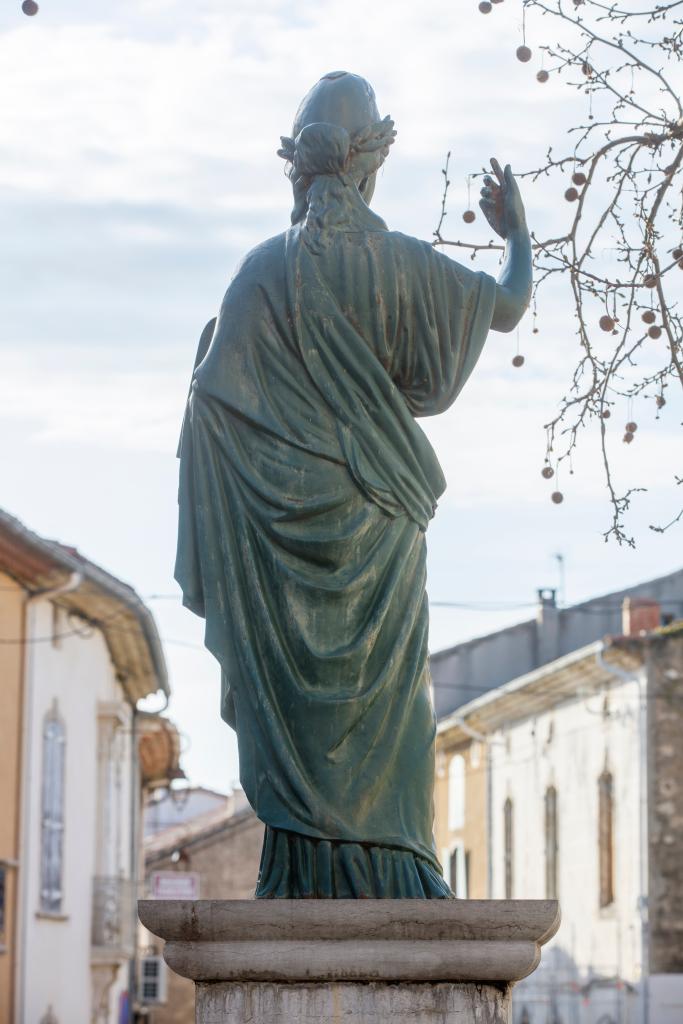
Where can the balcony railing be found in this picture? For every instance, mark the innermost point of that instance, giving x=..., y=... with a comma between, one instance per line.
x=113, y=915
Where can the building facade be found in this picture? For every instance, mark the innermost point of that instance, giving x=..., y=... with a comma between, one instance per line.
x=79, y=651
x=573, y=789
x=221, y=851
x=462, y=672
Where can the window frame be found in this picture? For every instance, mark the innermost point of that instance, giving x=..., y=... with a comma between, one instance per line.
x=52, y=813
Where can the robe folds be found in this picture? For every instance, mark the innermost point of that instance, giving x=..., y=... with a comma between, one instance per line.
x=306, y=486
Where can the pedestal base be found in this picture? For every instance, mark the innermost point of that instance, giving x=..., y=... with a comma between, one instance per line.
x=352, y=961
x=372, y=1003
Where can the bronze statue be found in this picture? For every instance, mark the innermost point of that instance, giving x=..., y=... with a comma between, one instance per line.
x=306, y=487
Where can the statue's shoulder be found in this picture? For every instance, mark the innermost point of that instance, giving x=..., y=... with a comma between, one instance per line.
x=260, y=259
x=408, y=245
x=422, y=256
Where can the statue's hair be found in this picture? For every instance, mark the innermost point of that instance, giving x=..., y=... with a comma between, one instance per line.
x=328, y=149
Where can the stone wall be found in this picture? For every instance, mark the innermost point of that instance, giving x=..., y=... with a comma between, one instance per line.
x=665, y=803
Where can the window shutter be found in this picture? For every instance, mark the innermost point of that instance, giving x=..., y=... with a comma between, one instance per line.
x=551, y=844
x=52, y=820
x=508, y=838
x=606, y=838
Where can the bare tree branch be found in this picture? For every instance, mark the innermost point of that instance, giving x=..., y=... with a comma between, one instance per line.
x=626, y=166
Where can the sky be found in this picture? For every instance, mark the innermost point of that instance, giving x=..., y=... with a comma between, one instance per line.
x=137, y=166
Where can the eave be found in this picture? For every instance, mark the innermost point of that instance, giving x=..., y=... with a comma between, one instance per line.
x=101, y=599
x=586, y=670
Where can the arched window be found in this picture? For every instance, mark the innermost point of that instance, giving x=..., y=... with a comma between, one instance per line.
x=507, y=836
x=551, y=844
x=456, y=792
x=606, y=838
x=52, y=813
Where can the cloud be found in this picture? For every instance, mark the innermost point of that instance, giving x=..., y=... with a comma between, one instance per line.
x=151, y=104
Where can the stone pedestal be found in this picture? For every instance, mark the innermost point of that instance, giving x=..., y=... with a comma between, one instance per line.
x=352, y=961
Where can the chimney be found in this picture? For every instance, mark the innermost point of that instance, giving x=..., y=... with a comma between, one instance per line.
x=548, y=626
x=640, y=615
x=547, y=598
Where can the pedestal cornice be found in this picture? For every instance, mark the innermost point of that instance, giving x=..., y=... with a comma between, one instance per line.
x=494, y=941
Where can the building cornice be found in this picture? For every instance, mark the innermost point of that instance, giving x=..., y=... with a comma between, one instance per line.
x=583, y=671
x=101, y=599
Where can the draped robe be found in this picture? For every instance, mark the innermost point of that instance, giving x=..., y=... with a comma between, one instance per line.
x=306, y=486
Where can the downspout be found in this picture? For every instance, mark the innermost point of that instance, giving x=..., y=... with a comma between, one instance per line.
x=489, y=823
x=640, y=679
x=26, y=788
x=135, y=820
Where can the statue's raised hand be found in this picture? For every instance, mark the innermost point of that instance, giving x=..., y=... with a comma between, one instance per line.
x=501, y=201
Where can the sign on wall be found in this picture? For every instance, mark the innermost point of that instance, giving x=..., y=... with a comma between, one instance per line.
x=175, y=885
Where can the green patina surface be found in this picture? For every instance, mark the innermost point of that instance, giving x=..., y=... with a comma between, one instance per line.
x=306, y=486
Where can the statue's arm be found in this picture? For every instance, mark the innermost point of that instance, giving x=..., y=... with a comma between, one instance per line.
x=502, y=205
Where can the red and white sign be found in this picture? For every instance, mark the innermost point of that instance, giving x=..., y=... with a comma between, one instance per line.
x=175, y=885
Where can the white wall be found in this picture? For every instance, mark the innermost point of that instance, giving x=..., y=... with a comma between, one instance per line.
x=77, y=673
x=569, y=748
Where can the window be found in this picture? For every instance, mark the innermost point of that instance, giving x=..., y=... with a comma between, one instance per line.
x=551, y=844
x=52, y=826
x=152, y=986
x=456, y=792
x=507, y=833
x=606, y=838
x=3, y=890
x=458, y=871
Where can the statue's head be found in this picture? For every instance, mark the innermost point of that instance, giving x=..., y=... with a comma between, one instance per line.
x=337, y=130
x=338, y=98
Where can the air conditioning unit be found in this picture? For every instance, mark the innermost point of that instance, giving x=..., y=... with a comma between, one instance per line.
x=152, y=980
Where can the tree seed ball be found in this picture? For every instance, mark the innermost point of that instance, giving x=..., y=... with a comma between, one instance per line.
x=650, y=281
x=680, y=264
x=607, y=323
x=518, y=361
x=587, y=69
x=648, y=316
x=571, y=195
x=547, y=472
x=557, y=497
x=654, y=332
x=677, y=254
x=29, y=7
x=660, y=400
x=579, y=178
x=631, y=427
x=468, y=216
x=628, y=437
x=605, y=414
x=485, y=7
x=542, y=75
x=523, y=54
